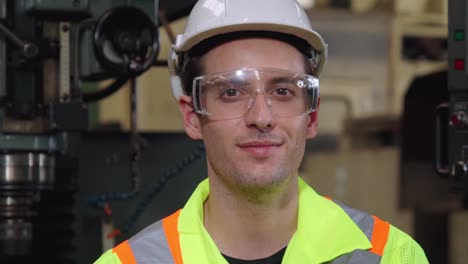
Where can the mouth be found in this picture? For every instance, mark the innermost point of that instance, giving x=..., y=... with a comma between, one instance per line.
x=260, y=149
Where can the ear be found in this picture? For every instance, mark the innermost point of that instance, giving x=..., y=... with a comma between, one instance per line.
x=312, y=126
x=191, y=120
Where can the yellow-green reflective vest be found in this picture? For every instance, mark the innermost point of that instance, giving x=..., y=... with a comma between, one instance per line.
x=327, y=232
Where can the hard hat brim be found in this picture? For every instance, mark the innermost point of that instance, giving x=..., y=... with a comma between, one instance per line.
x=312, y=37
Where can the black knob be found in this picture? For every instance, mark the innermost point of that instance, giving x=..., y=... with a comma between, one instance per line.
x=126, y=41
x=460, y=169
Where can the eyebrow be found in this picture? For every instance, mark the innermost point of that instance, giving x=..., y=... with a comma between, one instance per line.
x=242, y=82
x=239, y=82
x=280, y=79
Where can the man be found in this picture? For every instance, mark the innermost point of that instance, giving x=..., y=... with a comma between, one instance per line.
x=245, y=76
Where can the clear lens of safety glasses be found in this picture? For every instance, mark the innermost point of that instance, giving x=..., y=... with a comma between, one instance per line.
x=231, y=94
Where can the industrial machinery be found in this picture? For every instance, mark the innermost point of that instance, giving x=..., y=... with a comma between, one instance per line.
x=48, y=49
x=452, y=119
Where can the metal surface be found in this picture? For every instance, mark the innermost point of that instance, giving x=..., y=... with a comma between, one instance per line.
x=2, y=54
x=64, y=68
x=8, y=35
x=22, y=176
x=60, y=113
x=16, y=205
x=457, y=79
x=3, y=77
x=58, y=6
x=29, y=49
x=18, y=233
x=458, y=95
x=35, y=207
x=29, y=171
x=17, y=142
x=122, y=48
x=2, y=9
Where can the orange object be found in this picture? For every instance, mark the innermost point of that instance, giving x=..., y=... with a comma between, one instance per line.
x=379, y=236
x=114, y=233
x=107, y=209
x=124, y=252
x=172, y=234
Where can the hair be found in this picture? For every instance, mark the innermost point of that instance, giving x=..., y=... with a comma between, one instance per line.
x=194, y=67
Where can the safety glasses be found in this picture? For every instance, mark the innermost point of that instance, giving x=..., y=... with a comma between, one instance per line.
x=232, y=94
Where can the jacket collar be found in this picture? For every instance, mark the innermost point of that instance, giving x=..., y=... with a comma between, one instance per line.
x=324, y=230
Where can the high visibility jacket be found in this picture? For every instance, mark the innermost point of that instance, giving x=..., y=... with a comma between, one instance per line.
x=327, y=232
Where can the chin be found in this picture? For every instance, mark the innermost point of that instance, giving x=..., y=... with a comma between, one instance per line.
x=263, y=179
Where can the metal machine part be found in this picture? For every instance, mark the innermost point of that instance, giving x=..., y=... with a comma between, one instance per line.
x=29, y=50
x=453, y=159
x=459, y=141
x=26, y=169
x=22, y=176
x=42, y=113
x=126, y=48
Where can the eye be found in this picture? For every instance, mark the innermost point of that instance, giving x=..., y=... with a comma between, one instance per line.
x=231, y=92
x=283, y=92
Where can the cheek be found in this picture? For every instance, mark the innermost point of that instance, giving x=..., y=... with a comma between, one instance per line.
x=298, y=138
x=216, y=137
x=297, y=130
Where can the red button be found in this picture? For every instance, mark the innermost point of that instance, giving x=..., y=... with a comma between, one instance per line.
x=454, y=120
x=459, y=64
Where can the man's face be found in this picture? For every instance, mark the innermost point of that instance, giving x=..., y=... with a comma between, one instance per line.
x=258, y=150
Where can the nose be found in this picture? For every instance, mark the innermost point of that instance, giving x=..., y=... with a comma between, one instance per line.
x=259, y=114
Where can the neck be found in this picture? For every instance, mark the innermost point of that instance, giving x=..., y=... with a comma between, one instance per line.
x=247, y=227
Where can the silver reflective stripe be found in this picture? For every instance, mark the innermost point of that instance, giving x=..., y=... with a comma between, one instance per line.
x=365, y=222
x=362, y=219
x=150, y=245
x=357, y=257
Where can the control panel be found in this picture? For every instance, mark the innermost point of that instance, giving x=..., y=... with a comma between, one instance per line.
x=458, y=96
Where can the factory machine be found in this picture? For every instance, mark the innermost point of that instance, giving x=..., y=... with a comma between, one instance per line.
x=451, y=159
x=49, y=50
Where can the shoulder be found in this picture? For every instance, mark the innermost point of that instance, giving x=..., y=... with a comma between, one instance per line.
x=402, y=248
x=396, y=245
x=150, y=245
x=151, y=235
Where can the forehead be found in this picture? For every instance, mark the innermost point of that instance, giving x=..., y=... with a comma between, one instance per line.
x=252, y=53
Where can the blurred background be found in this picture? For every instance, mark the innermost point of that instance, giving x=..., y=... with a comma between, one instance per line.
x=386, y=75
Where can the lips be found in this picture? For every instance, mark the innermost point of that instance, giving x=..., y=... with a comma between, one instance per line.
x=260, y=149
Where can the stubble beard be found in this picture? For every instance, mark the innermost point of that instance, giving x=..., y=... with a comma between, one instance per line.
x=249, y=178
x=257, y=184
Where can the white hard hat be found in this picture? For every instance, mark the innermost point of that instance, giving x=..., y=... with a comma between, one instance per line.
x=209, y=18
